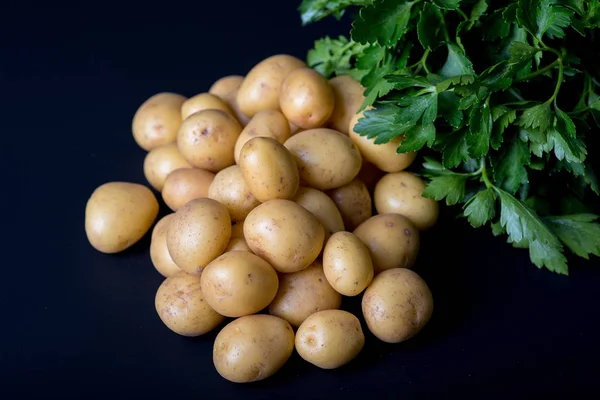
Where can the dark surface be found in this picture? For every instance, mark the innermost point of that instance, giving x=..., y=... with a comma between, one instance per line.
x=80, y=324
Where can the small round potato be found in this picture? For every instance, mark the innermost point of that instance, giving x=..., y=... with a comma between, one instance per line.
x=230, y=189
x=160, y=162
x=159, y=253
x=260, y=89
x=269, y=169
x=306, y=99
x=384, y=155
x=370, y=175
x=327, y=159
x=180, y=304
x=267, y=123
x=354, y=202
x=348, y=97
x=204, y=101
x=185, y=184
x=330, y=338
x=237, y=241
x=252, y=348
x=392, y=240
x=227, y=88
x=285, y=234
x=397, y=305
x=118, y=214
x=400, y=193
x=206, y=139
x=322, y=207
x=303, y=293
x=157, y=120
x=198, y=234
x=347, y=264
x=239, y=283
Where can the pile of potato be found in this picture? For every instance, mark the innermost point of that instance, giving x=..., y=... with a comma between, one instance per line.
x=272, y=193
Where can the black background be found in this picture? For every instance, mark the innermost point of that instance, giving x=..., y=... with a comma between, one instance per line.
x=79, y=324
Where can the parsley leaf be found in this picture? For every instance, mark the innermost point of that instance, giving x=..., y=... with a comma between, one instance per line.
x=429, y=27
x=521, y=55
x=377, y=121
x=543, y=17
x=417, y=137
x=315, y=10
x=451, y=187
x=578, y=232
x=481, y=208
x=565, y=146
x=390, y=17
x=502, y=117
x=455, y=149
x=509, y=171
x=448, y=108
x=447, y=4
x=539, y=116
x=457, y=63
x=480, y=130
x=334, y=56
x=497, y=27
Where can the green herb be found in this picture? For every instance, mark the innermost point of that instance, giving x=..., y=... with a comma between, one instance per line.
x=500, y=98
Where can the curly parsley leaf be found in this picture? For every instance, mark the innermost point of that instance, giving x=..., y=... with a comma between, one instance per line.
x=390, y=17
x=579, y=232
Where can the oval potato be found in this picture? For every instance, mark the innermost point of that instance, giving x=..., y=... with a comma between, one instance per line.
x=267, y=123
x=348, y=97
x=157, y=121
x=347, y=264
x=160, y=162
x=237, y=241
x=230, y=189
x=227, y=88
x=159, y=252
x=322, y=207
x=354, y=202
x=185, y=184
x=204, y=101
x=369, y=174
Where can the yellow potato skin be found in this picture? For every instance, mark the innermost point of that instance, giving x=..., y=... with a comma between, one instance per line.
x=267, y=123
x=348, y=97
x=181, y=306
x=252, y=348
x=330, y=339
x=227, y=88
x=397, y=305
x=204, y=101
x=303, y=293
x=160, y=162
x=159, y=252
x=118, y=214
x=401, y=193
x=157, y=121
x=230, y=189
x=269, y=169
x=185, y=184
x=347, y=264
x=354, y=202
x=322, y=207
x=237, y=241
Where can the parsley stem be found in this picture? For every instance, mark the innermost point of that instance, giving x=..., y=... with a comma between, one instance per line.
x=484, y=175
x=538, y=72
x=422, y=63
x=462, y=14
x=558, y=83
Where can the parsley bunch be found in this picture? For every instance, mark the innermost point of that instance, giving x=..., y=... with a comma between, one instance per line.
x=499, y=97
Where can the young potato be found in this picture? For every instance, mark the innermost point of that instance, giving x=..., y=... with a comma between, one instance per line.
x=180, y=305
x=206, y=139
x=330, y=338
x=237, y=241
x=327, y=159
x=252, y=348
x=322, y=207
x=227, y=88
x=384, y=155
x=267, y=123
x=157, y=120
x=269, y=169
x=285, y=234
x=118, y=214
x=239, y=283
x=400, y=193
x=306, y=99
x=159, y=253
x=347, y=264
x=204, y=101
x=260, y=89
x=392, y=240
x=348, y=97
x=354, y=202
x=230, y=189
x=160, y=162
x=369, y=174
x=185, y=184
x=198, y=234
x=303, y=293
x=397, y=305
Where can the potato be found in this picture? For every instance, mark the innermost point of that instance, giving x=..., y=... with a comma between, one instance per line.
x=204, y=101
x=285, y=234
x=118, y=214
x=260, y=89
x=237, y=241
x=160, y=162
x=326, y=158
x=348, y=97
x=322, y=207
x=198, y=234
x=252, y=348
x=227, y=88
x=347, y=264
x=400, y=193
x=306, y=99
x=230, y=189
x=185, y=184
x=330, y=339
x=384, y=155
x=303, y=293
x=180, y=304
x=392, y=240
x=239, y=283
x=369, y=174
x=206, y=139
x=397, y=305
x=159, y=253
x=157, y=120
x=267, y=123
x=269, y=169
x=354, y=202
